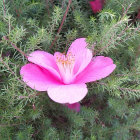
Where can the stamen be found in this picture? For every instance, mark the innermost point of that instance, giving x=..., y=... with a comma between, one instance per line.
x=65, y=64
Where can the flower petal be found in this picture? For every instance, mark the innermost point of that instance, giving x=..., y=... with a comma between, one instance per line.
x=138, y=16
x=38, y=78
x=75, y=106
x=68, y=93
x=96, y=5
x=82, y=54
x=99, y=68
x=45, y=60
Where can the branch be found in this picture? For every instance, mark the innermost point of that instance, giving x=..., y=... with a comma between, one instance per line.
x=4, y=8
x=20, y=97
x=128, y=89
x=47, y=7
x=30, y=96
x=123, y=31
x=5, y=38
x=10, y=70
x=125, y=12
x=129, y=74
x=60, y=28
x=120, y=88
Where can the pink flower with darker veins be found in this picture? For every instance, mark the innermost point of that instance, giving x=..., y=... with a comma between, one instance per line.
x=64, y=76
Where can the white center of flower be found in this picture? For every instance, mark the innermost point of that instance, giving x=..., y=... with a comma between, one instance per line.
x=65, y=64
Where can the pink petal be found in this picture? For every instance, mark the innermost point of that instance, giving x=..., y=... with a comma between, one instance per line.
x=82, y=54
x=75, y=106
x=99, y=68
x=45, y=60
x=138, y=16
x=68, y=93
x=96, y=5
x=38, y=78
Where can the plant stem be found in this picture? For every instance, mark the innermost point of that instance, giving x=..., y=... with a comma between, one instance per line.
x=4, y=8
x=62, y=22
x=5, y=38
x=125, y=12
x=47, y=7
x=10, y=70
x=120, y=88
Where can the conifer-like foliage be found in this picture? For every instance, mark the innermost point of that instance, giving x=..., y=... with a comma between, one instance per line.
x=111, y=110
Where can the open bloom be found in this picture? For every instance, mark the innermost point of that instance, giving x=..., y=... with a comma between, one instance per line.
x=96, y=5
x=63, y=76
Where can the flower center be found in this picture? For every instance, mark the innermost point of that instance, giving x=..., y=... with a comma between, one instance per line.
x=65, y=64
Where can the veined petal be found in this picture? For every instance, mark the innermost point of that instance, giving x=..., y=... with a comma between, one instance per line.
x=81, y=53
x=68, y=93
x=99, y=68
x=45, y=60
x=38, y=78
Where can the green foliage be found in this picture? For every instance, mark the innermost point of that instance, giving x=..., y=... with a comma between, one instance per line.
x=110, y=111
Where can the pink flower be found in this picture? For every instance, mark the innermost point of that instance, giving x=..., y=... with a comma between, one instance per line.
x=96, y=5
x=138, y=16
x=75, y=106
x=64, y=76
